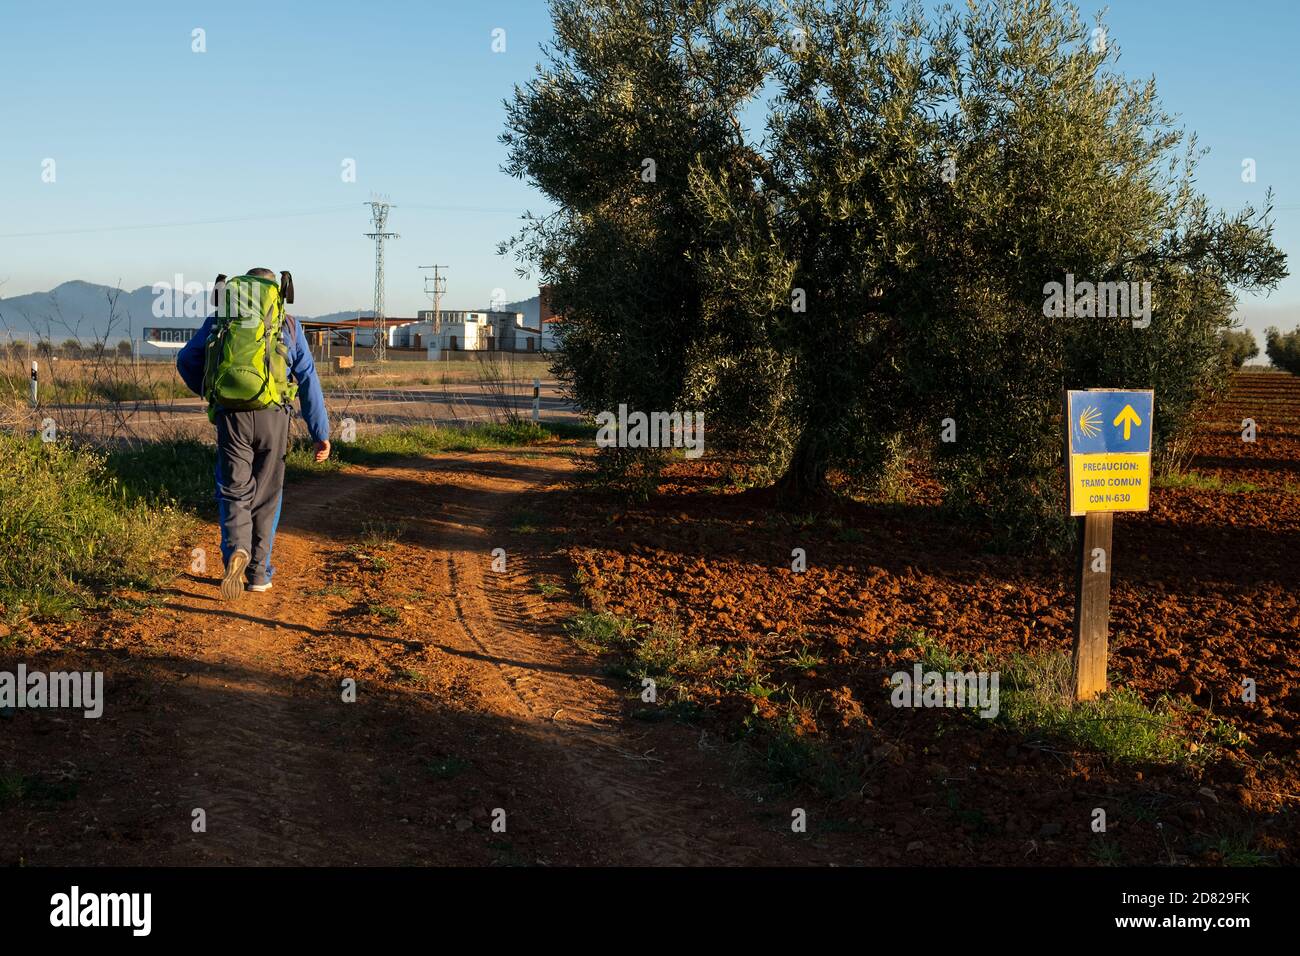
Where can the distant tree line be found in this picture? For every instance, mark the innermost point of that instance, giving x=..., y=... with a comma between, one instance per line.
x=1284, y=349
x=1239, y=347
x=68, y=348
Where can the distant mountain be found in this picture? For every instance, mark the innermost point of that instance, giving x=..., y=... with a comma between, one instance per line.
x=82, y=310
x=78, y=310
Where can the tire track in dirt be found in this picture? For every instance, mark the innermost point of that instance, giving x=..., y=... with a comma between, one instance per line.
x=470, y=697
x=635, y=798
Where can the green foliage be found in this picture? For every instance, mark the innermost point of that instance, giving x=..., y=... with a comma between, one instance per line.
x=626, y=82
x=1284, y=349
x=378, y=447
x=69, y=531
x=921, y=180
x=1037, y=697
x=660, y=653
x=597, y=631
x=178, y=473
x=1239, y=346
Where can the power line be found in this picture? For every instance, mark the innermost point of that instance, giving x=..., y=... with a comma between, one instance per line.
x=439, y=287
x=175, y=225
x=262, y=218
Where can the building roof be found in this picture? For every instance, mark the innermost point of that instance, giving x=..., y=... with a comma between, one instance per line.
x=361, y=322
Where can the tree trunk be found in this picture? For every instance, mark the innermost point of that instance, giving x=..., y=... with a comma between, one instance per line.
x=804, y=481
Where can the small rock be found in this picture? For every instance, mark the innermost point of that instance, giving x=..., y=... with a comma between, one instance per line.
x=463, y=824
x=914, y=846
x=1050, y=829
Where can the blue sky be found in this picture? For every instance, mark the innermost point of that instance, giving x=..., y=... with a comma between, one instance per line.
x=146, y=132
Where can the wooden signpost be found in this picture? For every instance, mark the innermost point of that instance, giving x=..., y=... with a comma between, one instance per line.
x=1108, y=462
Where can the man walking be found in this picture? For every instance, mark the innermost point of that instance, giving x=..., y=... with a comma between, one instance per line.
x=241, y=360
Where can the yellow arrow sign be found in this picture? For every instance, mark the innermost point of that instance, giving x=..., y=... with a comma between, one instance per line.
x=1129, y=418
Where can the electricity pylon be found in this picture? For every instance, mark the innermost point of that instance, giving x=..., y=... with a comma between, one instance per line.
x=379, y=212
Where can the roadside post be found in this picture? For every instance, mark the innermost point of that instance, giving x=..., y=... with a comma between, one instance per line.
x=537, y=399
x=34, y=384
x=1108, y=467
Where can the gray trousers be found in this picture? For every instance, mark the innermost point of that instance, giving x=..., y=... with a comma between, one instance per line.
x=251, y=448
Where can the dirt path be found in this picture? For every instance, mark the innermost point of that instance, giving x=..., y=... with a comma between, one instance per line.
x=472, y=711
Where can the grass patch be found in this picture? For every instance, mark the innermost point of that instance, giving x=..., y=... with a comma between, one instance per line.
x=70, y=531
x=525, y=521
x=1236, y=850
x=176, y=473
x=933, y=655
x=790, y=759
x=660, y=653
x=1107, y=854
x=330, y=590
x=378, y=447
x=137, y=606
x=598, y=633
x=1037, y=697
x=385, y=612
x=16, y=788
x=664, y=654
x=805, y=660
x=77, y=386
x=1196, y=480
x=381, y=535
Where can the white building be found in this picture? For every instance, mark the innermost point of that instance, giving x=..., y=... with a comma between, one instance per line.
x=460, y=331
x=364, y=330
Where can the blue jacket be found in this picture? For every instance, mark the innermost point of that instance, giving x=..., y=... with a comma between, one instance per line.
x=190, y=364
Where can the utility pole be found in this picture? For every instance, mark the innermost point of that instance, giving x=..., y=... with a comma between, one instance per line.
x=434, y=292
x=379, y=213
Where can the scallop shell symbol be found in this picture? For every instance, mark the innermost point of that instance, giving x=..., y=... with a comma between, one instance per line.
x=1090, y=422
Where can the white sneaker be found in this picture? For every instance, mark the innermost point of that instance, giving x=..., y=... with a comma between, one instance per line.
x=258, y=587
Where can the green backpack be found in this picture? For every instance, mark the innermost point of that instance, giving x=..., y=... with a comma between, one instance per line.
x=245, y=361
